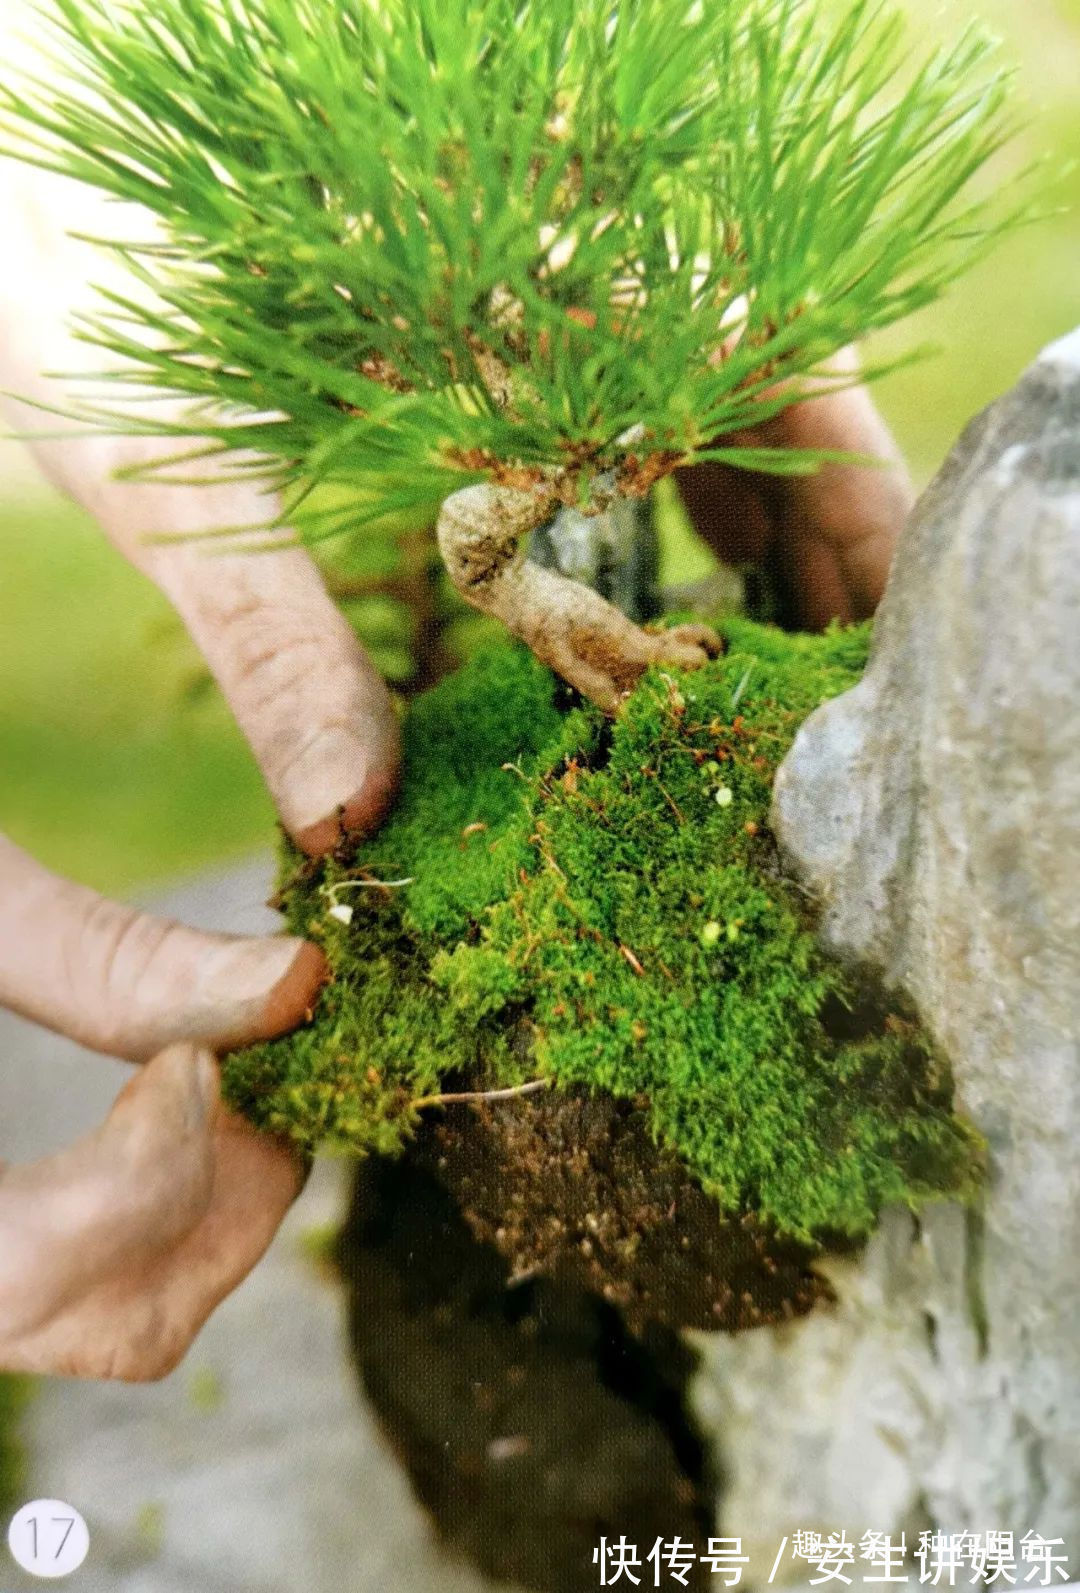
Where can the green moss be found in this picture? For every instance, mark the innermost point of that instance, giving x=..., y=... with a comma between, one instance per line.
x=601, y=903
x=14, y=1393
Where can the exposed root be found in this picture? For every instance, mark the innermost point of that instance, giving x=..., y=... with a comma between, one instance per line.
x=579, y=634
x=461, y=1097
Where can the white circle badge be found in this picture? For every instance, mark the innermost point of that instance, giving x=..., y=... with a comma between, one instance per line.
x=48, y=1538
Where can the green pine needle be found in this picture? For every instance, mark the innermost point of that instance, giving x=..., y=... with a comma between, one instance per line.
x=408, y=244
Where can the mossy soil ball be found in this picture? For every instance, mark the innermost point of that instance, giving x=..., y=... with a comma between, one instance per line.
x=600, y=905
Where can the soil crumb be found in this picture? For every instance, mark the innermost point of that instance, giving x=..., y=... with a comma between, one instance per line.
x=574, y=1186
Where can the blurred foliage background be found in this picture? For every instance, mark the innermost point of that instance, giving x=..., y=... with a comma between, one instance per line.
x=120, y=766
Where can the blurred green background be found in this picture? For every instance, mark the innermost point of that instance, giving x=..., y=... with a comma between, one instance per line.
x=116, y=767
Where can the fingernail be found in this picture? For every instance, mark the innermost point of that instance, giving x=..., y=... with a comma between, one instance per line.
x=296, y=992
x=251, y=989
x=360, y=815
x=239, y=975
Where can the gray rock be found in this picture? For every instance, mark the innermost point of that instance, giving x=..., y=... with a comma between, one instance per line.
x=616, y=552
x=935, y=811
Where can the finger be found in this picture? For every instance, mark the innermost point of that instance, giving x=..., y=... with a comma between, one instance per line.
x=256, y=1180
x=110, y=1205
x=728, y=511
x=828, y=536
x=148, y=1316
x=309, y=701
x=132, y=1310
x=750, y=519
x=812, y=577
x=313, y=708
x=124, y=982
x=846, y=516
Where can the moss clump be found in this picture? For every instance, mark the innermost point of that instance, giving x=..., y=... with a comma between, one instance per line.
x=601, y=904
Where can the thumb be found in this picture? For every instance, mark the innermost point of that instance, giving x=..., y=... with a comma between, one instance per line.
x=114, y=1200
x=129, y=984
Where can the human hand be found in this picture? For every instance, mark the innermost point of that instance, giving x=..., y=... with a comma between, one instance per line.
x=830, y=536
x=114, y=1252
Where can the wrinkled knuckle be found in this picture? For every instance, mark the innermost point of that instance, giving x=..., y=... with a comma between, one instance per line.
x=269, y=659
x=110, y=957
x=162, y=1361
x=150, y=1348
x=269, y=652
x=134, y=953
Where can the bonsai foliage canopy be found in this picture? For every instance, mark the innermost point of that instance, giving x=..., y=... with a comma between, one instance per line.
x=412, y=245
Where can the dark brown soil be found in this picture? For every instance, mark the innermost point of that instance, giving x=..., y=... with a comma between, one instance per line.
x=515, y=1286
x=573, y=1187
x=530, y=1422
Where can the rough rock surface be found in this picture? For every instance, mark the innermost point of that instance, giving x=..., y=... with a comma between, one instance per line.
x=935, y=811
x=616, y=552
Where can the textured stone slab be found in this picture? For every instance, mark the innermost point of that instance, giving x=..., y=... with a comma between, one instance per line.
x=935, y=811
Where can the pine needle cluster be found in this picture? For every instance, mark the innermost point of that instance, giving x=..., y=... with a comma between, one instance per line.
x=410, y=244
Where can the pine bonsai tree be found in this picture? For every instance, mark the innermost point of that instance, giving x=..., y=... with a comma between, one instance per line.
x=539, y=250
